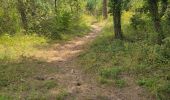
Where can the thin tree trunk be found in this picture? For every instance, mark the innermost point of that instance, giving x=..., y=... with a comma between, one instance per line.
x=156, y=20
x=105, y=15
x=117, y=19
x=55, y=4
x=22, y=11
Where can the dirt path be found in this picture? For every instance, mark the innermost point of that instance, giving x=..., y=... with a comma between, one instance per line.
x=75, y=82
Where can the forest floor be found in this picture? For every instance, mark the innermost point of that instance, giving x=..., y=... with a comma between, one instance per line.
x=53, y=73
x=73, y=82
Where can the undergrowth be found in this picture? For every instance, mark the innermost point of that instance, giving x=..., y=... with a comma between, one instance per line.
x=147, y=62
x=21, y=74
x=13, y=47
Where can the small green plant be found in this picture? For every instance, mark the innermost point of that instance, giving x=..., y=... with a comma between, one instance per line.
x=4, y=97
x=111, y=76
x=50, y=84
x=120, y=83
x=110, y=73
x=147, y=82
x=164, y=91
x=62, y=95
x=3, y=82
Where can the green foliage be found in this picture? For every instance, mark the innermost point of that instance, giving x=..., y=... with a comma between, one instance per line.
x=9, y=22
x=50, y=84
x=120, y=83
x=161, y=90
x=137, y=55
x=94, y=7
x=136, y=21
x=10, y=73
x=141, y=58
x=41, y=17
x=20, y=77
x=62, y=95
x=147, y=82
x=3, y=97
x=110, y=73
x=11, y=47
x=91, y=4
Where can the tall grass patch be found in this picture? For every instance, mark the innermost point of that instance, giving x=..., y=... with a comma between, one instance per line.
x=13, y=47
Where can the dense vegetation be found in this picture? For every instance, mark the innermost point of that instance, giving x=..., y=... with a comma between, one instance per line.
x=27, y=26
x=135, y=42
x=47, y=18
x=140, y=50
x=32, y=21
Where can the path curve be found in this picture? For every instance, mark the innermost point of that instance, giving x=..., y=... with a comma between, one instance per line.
x=79, y=85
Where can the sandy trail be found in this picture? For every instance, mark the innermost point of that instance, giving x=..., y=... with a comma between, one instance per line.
x=81, y=86
x=64, y=52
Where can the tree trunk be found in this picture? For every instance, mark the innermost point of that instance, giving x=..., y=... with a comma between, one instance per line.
x=22, y=11
x=105, y=15
x=55, y=4
x=156, y=20
x=117, y=19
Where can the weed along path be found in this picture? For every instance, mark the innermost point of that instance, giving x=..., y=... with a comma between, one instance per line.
x=72, y=82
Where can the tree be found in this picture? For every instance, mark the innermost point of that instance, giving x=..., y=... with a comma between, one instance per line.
x=156, y=16
x=55, y=4
x=22, y=11
x=105, y=15
x=116, y=9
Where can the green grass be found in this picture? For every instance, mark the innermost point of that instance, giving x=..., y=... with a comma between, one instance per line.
x=111, y=76
x=3, y=97
x=19, y=68
x=18, y=78
x=62, y=95
x=144, y=60
x=13, y=47
x=49, y=84
x=110, y=73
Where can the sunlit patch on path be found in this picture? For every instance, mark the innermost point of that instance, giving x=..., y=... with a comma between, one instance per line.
x=65, y=51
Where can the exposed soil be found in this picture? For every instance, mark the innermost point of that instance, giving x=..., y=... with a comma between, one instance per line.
x=78, y=84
